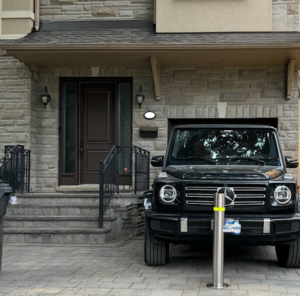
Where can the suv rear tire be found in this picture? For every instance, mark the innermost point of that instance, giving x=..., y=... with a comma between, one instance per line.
x=289, y=255
x=155, y=253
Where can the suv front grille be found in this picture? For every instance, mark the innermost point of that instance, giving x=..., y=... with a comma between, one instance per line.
x=284, y=227
x=245, y=197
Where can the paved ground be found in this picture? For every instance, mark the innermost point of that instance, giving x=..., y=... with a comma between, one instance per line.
x=118, y=269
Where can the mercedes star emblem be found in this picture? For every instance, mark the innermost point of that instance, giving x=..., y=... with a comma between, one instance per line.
x=229, y=195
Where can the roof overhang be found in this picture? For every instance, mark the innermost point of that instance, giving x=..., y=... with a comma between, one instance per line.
x=138, y=55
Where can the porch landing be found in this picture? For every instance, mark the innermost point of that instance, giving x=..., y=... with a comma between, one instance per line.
x=72, y=216
x=78, y=188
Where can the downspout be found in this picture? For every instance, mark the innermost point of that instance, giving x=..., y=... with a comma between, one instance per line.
x=154, y=12
x=36, y=26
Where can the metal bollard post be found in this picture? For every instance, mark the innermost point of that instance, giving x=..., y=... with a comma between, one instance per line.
x=218, y=248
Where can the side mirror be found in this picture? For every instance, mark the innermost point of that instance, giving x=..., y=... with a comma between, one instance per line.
x=157, y=161
x=291, y=162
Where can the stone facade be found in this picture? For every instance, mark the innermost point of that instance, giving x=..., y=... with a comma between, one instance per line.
x=70, y=10
x=186, y=93
x=16, y=105
x=285, y=14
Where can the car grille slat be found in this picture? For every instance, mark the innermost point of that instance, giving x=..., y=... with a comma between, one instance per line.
x=203, y=196
x=214, y=188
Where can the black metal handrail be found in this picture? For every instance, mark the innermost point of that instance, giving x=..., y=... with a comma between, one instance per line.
x=15, y=168
x=126, y=168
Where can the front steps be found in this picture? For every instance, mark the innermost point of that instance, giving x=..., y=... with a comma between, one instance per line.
x=58, y=219
x=56, y=236
x=62, y=218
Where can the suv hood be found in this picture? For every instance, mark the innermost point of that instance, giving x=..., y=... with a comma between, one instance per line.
x=221, y=172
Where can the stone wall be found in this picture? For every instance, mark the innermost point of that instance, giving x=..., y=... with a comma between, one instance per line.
x=194, y=93
x=186, y=93
x=285, y=13
x=69, y=10
x=15, y=106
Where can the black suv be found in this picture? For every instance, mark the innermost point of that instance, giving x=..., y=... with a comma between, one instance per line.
x=243, y=161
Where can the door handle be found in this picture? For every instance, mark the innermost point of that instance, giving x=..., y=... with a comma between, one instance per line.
x=81, y=149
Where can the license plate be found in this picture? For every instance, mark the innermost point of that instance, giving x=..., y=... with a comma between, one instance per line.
x=230, y=226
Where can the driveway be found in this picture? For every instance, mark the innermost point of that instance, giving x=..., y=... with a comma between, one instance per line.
x=118, y=269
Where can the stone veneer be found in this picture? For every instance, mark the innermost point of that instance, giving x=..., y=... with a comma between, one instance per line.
x=185, y=93
x=285, y=13
x=17, y=108
x=68, y=10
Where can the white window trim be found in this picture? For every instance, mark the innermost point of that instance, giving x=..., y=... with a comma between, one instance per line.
x=6, y=37
x=17, y=14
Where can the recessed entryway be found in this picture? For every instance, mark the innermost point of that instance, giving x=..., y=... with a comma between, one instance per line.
x=95, y=114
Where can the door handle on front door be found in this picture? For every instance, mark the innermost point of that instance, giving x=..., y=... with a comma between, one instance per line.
x=81, y=149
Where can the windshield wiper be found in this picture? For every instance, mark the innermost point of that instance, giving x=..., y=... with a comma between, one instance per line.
x=202, y=158
x=196, y=158
x=258, y=161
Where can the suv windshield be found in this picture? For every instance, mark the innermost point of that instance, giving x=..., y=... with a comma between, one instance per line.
x=242, y=146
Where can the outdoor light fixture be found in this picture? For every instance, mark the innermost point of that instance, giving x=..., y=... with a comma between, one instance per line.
x=149, y=115
x=46, y=98
x=140, y=97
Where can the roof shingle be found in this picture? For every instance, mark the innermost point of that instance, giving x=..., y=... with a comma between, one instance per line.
x=125, y=34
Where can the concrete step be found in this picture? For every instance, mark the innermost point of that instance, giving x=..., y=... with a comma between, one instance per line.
x=70, y=217
x=58, y=198
x=53, y=210
x=56, y=236
x=86, y=222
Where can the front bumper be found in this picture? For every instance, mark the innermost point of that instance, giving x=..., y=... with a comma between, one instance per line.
x=256, y=229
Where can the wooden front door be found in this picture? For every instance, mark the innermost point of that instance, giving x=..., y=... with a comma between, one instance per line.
x=95, y=114
x=97, y=128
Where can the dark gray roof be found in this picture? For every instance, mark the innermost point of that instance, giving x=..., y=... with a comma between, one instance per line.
x=141, y=32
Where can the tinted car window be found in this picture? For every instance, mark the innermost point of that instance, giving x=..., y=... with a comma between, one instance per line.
x=224, y=144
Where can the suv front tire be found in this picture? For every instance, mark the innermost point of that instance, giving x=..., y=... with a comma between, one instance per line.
x=155, y=253
x=289, y=255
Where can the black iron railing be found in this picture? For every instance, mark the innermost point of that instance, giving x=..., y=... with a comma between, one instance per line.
x=126, y=168
x=15, y=168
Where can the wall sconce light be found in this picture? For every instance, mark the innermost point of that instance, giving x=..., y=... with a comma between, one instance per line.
x=149, y=115
x=140, y=97
x=46, y=98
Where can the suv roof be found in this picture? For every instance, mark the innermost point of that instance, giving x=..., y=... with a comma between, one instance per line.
x=239, y=126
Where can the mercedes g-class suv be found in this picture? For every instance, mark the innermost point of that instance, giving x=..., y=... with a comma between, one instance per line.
x=244, y=162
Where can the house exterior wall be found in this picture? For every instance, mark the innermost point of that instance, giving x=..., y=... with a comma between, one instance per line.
x=16, y=18
x=70, y=10
x=285, y=14
x=16, y=102
x=186, y=93
x=213, y=16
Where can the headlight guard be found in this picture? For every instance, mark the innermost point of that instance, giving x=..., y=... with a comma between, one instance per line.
x=282, y=194
x=168, y=194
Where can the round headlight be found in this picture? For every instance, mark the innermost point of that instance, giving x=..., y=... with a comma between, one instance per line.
x=282, y=194
x=168, y=193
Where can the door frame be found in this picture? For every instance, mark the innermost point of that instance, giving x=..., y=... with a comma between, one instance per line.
x=74, y=178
